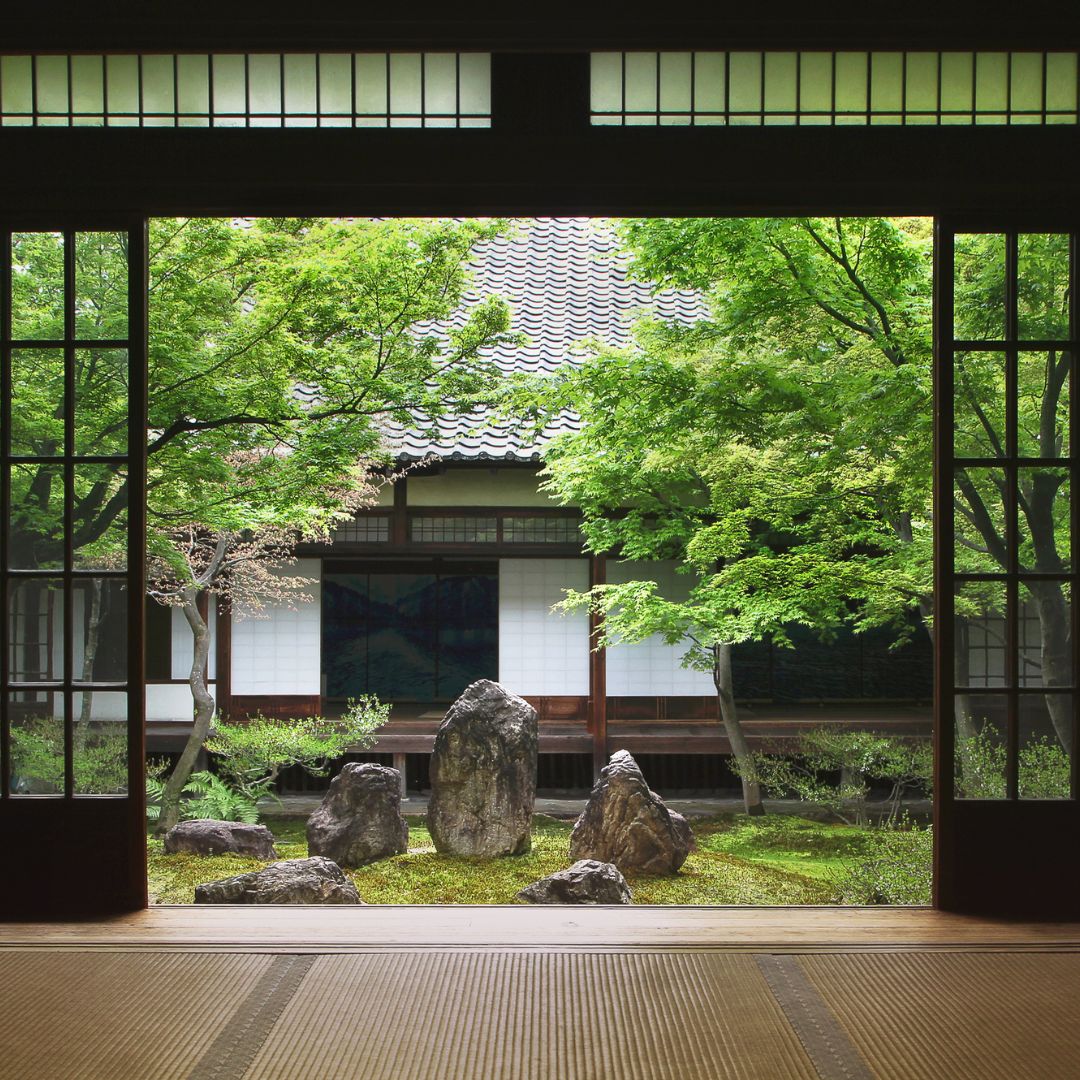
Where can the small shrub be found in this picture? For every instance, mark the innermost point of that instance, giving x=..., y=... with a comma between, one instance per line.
x=37, y=756
x=895, y=867
x=1044, y=771
x=980, y=766
x=858, y=757
x=251, y=755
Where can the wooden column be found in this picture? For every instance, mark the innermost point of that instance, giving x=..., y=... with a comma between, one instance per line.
x=223, y=657
x=597, y=673
x=400, y=763
x=399, y=525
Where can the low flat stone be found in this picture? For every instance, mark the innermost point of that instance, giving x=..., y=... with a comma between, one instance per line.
x=294, y=881
x=219, y=838
x=586, y=882
x=483, y=774
x=627, y=824
x=359, y=819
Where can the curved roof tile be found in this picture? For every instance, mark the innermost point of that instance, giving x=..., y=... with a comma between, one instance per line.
x=566, y=282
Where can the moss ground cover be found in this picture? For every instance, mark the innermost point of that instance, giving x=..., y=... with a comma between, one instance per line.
x=776, y=860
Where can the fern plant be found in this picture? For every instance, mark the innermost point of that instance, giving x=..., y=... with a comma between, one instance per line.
x=214, y=799
x=209, y=797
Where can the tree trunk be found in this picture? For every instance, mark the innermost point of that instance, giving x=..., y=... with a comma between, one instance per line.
x=849, y=777
x=965, y=731
x=204, y=713
x=1053, y=613
x=1039, y=497
x=93, y=634
x=725, y=694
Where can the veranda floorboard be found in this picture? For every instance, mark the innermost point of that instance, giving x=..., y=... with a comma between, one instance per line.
x=298, y=928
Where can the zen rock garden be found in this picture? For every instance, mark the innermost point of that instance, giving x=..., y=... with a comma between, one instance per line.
x=205, y=837
x=483, y=786
x=483, y=774
x=588, y=881
x=626, y=824
x=360, y=818
x=295, y=881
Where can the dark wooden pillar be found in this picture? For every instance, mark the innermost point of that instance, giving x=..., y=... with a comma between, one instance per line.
x=597, y=672
x=223, y=657
x=399, y=525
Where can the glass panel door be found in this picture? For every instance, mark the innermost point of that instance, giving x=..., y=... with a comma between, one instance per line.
x=1006, y=559
x=72, y=487
x=409, y=632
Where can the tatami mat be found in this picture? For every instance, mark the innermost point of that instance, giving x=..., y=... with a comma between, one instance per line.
x=484, y=1014
x=954, y=1016
x=665, y=1016
x=116, y=1016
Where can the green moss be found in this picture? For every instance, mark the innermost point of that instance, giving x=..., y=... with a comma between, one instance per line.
x=815, y=849
x=778, y=860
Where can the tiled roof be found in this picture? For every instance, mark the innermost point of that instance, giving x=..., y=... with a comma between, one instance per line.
x=565, y=281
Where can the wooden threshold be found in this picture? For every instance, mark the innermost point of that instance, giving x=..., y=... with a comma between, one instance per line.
x=372, y=927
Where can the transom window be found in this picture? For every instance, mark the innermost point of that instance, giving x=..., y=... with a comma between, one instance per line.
x=363, y=529
x=756, y=88
x=366, y=90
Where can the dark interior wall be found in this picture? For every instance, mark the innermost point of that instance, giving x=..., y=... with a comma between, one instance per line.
x=541, y=157
x=856, y=666
x=557, y=25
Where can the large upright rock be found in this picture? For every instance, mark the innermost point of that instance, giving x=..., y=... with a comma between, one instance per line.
x=483, y=774
x=359, y=819
x=294, y=881
x=627, y=824
x=204, y=837
x=586, y=882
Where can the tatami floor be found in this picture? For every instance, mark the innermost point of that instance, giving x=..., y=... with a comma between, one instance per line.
x=560, y=993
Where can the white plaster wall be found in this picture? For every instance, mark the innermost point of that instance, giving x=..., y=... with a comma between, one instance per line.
x=478, y=487
x=652, y=667
x=183, y=643
x=541, y=652
x=170, y=701
x=280, y=654
x=164, y=701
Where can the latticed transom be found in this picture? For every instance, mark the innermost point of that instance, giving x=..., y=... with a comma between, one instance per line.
x=359, y=90
x=733, y=88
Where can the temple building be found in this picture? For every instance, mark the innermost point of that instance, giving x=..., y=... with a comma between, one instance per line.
x=452, y=577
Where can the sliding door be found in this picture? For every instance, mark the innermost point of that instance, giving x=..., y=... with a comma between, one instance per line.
x=1008, y=820
x=72, y=521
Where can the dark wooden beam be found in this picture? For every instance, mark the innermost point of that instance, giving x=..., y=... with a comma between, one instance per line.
x=597, y=672
x=543, y=93
x=224, y=655
x=749, y=171
x=399, y=524
x=124, y=25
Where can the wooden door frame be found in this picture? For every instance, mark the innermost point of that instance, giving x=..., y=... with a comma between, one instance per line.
x=35, y=830
x=541, y=156
x=995, y=856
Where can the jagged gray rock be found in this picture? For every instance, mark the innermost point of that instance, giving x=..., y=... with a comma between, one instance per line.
x=483, y=774
x=204, y=837
x=359, y=819
x=586, y=882
x=627, y=824
x=294, y=881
